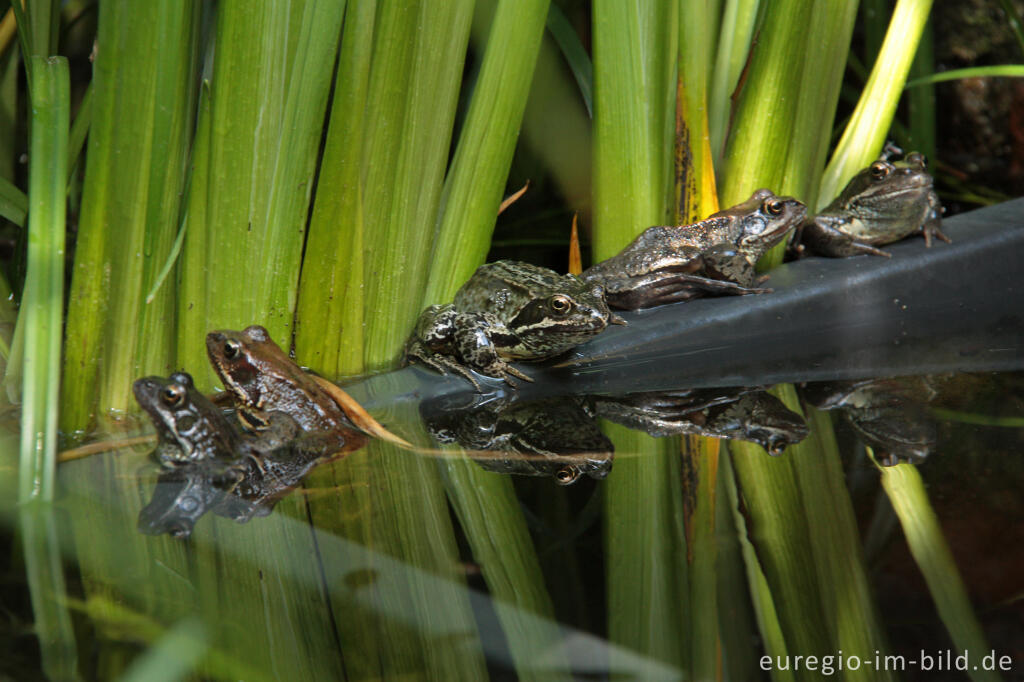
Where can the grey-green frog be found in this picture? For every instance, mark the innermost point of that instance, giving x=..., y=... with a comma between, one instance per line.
x=189, y=427
x=713, y=257
x=508, y=311
x=883, y=203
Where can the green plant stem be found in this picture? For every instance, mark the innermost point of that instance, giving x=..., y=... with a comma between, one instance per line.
x=42, y=301
x=738, y=20
x=635, y=66
x=475, y=185
x=135, y=172
x=903, y=485
x=865, y=133
x=329, y=333
x=1003, y=70
x=413, y=91
x=40, y=326
x=762, y=128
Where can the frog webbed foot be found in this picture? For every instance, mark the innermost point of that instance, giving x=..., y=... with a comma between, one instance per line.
x=931, y=229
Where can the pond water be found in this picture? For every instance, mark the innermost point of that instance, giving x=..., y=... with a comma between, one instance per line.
x=569, y=552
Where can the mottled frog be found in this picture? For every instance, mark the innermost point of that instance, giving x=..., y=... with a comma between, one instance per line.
x=508, y=311
x=883, y=203
x=713, y=257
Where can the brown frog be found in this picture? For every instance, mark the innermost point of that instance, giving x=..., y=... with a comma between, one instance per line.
x=883, y=203
x=263, y=380
x=714, y=257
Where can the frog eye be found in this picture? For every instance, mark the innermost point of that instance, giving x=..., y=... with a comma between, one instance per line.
x=880, y=169
x=560, y=305
x=232, y=349
x=567, y=475
x=774, y=206
x=173, y=395
x=917, y=159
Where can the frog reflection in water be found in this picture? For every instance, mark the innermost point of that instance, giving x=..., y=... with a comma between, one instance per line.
x=191, y=429
x=714, y=257
x=184, y=494
x=265, y=383
x=555, y=437
x=747, y=414
x=560, y=436
x=890, y=415
x=508, y=311
x=883, y=203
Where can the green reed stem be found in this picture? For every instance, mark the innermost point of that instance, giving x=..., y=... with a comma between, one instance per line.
x=850, y=615
x=40, y=327
x=738, y=20
x=635, y=90
x=42, y=301
x=645, y=548
x=869, y=124
x=475, y=185
x=700, y=483
x=329, y=333
x=417, y=68
x=141, y=120
x=761, y=595
x=903, y=485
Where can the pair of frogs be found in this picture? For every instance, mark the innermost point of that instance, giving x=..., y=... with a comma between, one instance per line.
x=284, y=411
x=510, y=310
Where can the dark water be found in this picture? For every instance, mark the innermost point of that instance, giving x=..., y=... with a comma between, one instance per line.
x=663, y=559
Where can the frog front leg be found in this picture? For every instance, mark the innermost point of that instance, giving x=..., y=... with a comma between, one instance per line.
x=477, y=337
x=824, y=237
x=433, y=342
x=932, y=222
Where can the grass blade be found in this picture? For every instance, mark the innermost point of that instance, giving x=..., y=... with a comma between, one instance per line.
x=575, y=55
x=1000, y=71
x=13, y=203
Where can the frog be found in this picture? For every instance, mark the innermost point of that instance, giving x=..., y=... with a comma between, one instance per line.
x=552, y=437
x=882, y=204
x=509, y=310
x=190, y=428
x=713, y=257
x=268, y=387
x=740, y=413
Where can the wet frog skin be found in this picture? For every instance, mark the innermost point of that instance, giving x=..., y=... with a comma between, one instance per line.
x=714, y=257
x=189, y=427
x=263, y=381
x=883, y=203
x=508, y=311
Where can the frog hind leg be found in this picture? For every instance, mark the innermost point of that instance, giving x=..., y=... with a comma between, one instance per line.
x=474, y=340
x=826, y=240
